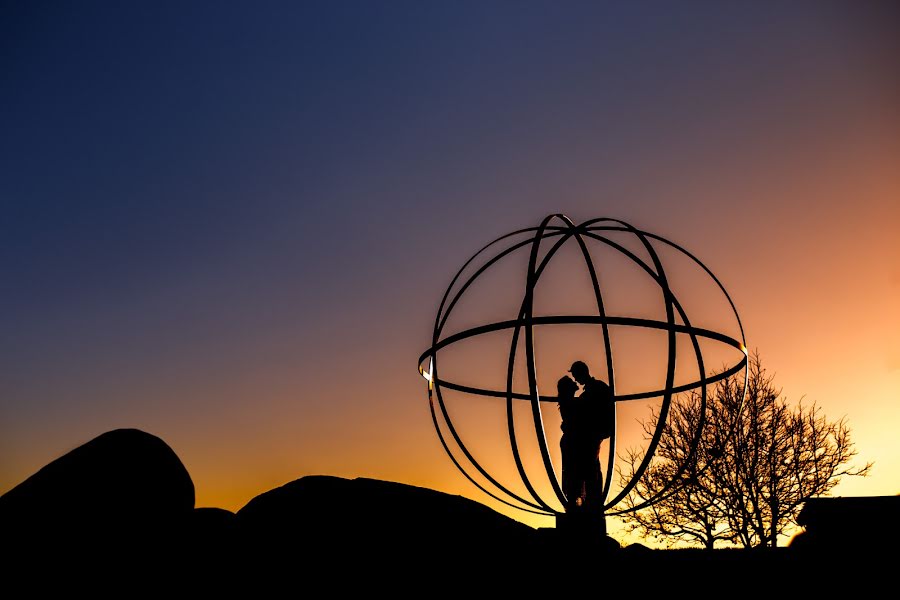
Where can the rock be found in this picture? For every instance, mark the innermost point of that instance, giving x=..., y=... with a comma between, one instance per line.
x=211, y=545
x=124, y=490
x=322, y=522
x=211, y=522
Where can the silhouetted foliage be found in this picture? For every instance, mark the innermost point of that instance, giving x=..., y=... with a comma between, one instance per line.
x=755, y=465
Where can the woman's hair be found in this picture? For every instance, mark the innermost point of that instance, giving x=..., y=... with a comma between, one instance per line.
x=566, y=386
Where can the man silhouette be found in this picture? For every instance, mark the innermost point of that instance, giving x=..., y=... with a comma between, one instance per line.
x=596, y=416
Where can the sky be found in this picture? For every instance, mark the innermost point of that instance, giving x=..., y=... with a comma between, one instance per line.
x=230, y=224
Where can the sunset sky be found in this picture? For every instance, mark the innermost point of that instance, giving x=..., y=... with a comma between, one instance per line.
x=230, y=224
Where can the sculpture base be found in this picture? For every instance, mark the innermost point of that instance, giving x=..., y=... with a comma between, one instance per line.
x=582, y=526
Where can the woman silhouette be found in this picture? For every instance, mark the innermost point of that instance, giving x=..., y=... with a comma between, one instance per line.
x=573, y=480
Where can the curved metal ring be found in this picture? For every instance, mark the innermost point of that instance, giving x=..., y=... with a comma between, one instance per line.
x=526, y=322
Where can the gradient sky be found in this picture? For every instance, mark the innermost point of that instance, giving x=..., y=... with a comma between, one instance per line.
x=230, y=224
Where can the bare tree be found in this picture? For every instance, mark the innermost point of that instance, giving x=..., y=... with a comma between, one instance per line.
x=755, y=463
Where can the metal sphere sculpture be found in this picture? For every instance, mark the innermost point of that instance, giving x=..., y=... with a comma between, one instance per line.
x=555, y=231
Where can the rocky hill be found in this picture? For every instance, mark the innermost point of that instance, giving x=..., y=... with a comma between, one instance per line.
x=121, y=507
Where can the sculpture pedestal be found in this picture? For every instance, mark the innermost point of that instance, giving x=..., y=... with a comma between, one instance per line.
x=582, y=526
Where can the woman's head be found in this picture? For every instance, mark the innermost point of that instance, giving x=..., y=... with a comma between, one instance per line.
x=566, y=387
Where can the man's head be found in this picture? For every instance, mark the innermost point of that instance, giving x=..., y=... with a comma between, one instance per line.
x=580, y=372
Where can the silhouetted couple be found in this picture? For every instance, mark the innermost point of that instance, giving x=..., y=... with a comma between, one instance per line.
x=587, y=419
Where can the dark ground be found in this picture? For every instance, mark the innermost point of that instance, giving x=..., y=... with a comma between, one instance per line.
x=116, y=516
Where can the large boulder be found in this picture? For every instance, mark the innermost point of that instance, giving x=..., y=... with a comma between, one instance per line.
x=124, y=490
x=323, y=523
